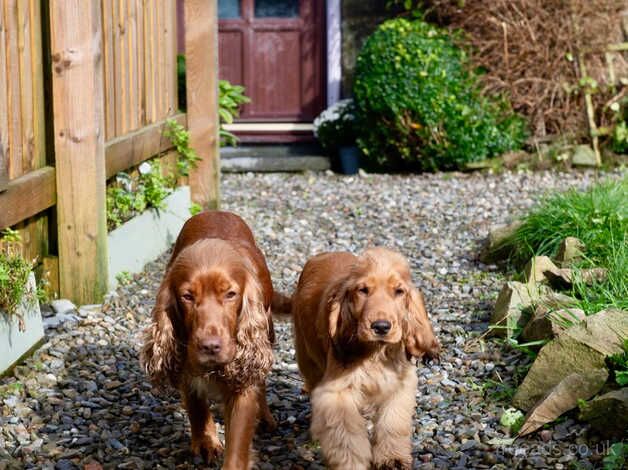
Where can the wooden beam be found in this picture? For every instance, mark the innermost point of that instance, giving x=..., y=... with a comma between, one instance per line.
x=27, y=196
x=132, y=149
x=79, y=129
x=201, y=57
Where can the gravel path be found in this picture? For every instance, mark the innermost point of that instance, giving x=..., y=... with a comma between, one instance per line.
x=82, y=398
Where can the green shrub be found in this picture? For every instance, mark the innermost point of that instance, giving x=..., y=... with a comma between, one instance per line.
x=419, y=106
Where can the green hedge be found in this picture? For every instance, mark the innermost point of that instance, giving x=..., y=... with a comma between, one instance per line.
x=420, y=107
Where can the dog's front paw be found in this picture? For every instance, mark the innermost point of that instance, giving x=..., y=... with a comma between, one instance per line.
x=208, y=448
x=395, y=464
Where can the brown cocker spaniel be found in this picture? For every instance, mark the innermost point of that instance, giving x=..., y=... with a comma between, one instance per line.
x=357, y=321
x=211, y=333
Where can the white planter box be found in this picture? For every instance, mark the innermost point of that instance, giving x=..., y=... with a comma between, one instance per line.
x=15, y=344
x=145, y=237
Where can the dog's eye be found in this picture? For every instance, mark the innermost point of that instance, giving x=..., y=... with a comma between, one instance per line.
x=364, y=290
x=231, y=295
x=399, y=291
x=188, y=297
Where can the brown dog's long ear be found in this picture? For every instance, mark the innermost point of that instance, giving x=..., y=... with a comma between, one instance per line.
x=254, y=349
x=419, y=336
x=160, y=355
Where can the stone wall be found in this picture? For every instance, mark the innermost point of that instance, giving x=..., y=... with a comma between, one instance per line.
x=359, y=20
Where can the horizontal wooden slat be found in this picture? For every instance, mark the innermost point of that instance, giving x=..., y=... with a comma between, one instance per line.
x=27, y=195
x=132, y=149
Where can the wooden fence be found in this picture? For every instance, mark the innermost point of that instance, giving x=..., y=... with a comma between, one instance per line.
x=85, y=89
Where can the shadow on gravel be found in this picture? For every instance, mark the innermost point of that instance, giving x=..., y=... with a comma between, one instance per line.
x=101, y=410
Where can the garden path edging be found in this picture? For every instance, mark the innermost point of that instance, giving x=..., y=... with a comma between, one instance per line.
x=145, y=237
x=15, y=344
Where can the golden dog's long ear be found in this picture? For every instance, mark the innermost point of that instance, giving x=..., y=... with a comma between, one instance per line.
x=161, y=353
x=339, y=317
x=419, y=336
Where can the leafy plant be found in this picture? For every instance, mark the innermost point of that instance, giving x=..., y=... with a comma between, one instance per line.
x=14, y=272
x=335, y=126
x=512, y=419
x=616, y=458
x=180, y=138
x=124, y=277
x=195, y=208
x=619, y=131
x=618, y=364
x=154, y=185
x=230, y=98
x=129, y=196
x=419, y=105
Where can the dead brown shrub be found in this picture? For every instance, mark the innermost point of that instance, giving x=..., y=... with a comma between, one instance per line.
x=529, y=50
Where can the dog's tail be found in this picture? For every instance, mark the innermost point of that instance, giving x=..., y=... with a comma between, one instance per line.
x=282, y=304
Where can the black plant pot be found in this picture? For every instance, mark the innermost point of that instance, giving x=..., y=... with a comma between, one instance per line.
x=347, y=160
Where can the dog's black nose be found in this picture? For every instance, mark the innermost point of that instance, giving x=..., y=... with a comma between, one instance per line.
x=381, y=327
x=210, y=346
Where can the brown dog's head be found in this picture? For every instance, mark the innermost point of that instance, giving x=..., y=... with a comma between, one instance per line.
x=209, y=310
x=377, y=303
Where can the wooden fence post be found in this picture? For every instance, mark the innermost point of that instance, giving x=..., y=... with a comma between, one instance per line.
x=77, y=89
x=201, y=57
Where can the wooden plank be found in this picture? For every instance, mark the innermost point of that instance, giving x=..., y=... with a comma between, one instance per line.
x=4, y=103
x=27, y=196
x=132, y=65
x=118, y=58
x=109, y=68
x=39, y=112
x=14, y=101
x=25, y=84
x=173, y=103
x=149, y=74
x=201, y=46
x=132, y=149
x=159, y=60
x=79, y=148
x=139, y=58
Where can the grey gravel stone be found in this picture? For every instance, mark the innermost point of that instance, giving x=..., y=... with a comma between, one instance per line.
x=62, y=306
x=90, y=402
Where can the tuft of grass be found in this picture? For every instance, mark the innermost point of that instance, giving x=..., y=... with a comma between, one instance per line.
x=599, y=218
x=14, y=272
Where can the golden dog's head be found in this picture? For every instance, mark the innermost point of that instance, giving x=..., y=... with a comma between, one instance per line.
x=377, y=303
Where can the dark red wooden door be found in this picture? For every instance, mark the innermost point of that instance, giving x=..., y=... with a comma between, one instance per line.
x=273, y=48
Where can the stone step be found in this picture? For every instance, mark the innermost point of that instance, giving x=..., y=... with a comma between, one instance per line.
x=273, y=158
